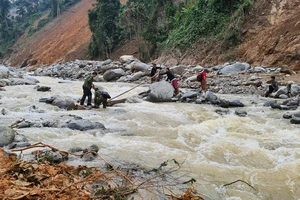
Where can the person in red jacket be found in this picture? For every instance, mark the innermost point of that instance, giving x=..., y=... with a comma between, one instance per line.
x=203, y=80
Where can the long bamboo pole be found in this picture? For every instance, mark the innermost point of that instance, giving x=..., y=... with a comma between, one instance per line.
x=126, y=91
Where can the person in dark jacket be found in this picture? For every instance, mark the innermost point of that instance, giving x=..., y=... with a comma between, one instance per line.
x=100, y=97
x=173, y=80
x=87, y=86
x=273, y=87
x=154, y=76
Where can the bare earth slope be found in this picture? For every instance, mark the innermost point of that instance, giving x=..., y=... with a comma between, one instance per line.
x=271, y=37
x=65, y=38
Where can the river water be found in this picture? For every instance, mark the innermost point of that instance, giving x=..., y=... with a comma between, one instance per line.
x=261, y=149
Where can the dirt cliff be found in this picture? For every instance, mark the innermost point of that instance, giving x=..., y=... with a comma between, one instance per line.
x=270, y=38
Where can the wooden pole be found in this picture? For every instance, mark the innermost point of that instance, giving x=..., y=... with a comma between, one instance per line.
x=126, y=91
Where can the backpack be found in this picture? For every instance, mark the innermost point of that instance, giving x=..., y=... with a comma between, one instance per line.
x=106, y=95
x=199, y=77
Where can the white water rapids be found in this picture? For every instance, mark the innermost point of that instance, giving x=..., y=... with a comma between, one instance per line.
x=262, y=149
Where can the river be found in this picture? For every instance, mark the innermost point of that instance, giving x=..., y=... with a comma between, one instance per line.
x=261, y=149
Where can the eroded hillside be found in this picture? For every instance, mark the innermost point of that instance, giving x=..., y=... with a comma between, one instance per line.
x=65, y=38
x=271, y=37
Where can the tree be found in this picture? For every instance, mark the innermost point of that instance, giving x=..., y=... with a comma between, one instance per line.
x=103, y=21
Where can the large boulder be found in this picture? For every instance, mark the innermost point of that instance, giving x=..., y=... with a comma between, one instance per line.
x=84, y=124
x=212, y=98
x=295, y=89
x=280, y=91
x=4, y=72
x=31, y=79
x=113, y=74
x=64, y=103
x=235, y=68
x=161, y=92
x=191, y=79
x=139, y=66
x=7, y=135
x=137, y=76
x=295, y=118
x=180, y=69
x=127, y=59
x=22, y=81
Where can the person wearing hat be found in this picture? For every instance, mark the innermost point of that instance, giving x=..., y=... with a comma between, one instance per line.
x=100, y=97
x=87, y=86
x=154, y=76
x=273, y=87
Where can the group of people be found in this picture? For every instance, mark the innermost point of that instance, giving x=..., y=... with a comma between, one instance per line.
x=100, y=96
x=174, y=82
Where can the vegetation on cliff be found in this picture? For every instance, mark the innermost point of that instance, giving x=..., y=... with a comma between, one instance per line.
x=160, y=24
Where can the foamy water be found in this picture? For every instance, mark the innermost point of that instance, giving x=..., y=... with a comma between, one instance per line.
x=261, y=149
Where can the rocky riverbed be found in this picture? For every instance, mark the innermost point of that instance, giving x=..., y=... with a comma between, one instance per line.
x=42, y=97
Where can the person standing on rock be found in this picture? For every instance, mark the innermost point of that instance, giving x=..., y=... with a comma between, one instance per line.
x=273, y=87
x=174, y=81
x=154, y=76
x=202, y=78
x=87, y=86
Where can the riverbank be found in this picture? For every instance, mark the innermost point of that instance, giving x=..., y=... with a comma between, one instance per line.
x=217, y=145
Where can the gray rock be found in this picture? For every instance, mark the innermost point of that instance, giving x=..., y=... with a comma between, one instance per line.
x=25, y=124
x=139, y=66
x=222, y=111
x=241, y=113
x=161, y=92
x=113, y=74
x=236, y=103
x=234, y=68
x=84, y=125
x=63, y=102
x=200, y=100
x=295, y=89
x=52, y=157
x=31, y=79
x=293, y=102
x=269, y=103
x=137, y=76
x=191, y=79
x=276, y=106
x=127, y=59
x=180, y=69
x=88, y=157
x=281, y=90
x=295, y=118
x=106, y=62
x=212, y=98
x=7, y=135
x=189, y=95
x=4, y=72
x=21, y=81
x=224, y=103
x=43, y=88
x=259, y=69
x=287, y=116
x=283, y=96
x=75, y=149
x=20, y=138
x=94, y=148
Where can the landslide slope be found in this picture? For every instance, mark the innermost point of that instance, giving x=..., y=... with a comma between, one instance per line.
x=65, y=38
x=270, y=37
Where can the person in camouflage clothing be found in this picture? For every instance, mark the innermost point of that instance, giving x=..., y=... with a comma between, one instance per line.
x=87, y=86
x=100, y=97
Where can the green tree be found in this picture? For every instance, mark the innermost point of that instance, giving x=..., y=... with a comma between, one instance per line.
x=103, y=20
